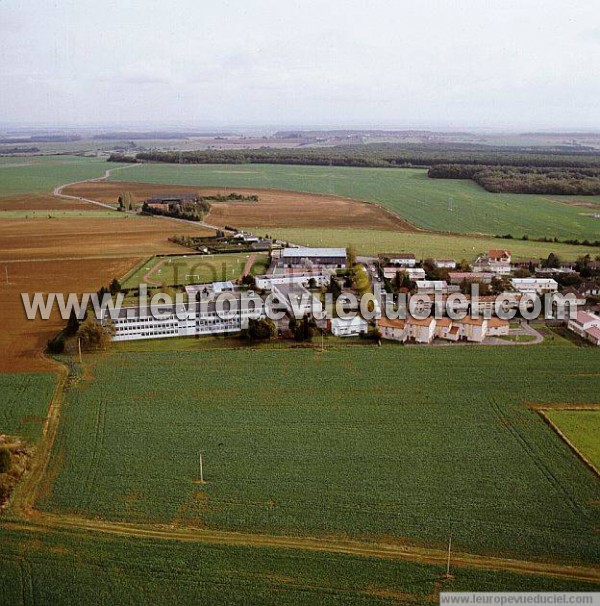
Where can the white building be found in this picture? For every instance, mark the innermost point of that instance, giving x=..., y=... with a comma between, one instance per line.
x=399, y=259
x=430, y=287
x=486, y=264
x=586, y=325
x=537, y=286
x=351, y=327
x=267, y=282
x=413, y=273
x=181, y=320
x=445, y=263
x=313, y=257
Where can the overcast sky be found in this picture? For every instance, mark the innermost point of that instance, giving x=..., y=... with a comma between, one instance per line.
x=446, y=63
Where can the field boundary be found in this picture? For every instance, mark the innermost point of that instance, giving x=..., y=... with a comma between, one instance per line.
x=572, y=407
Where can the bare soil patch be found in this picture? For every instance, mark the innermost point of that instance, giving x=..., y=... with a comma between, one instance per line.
x=41, y=202
x=275, y=208
x=66, y=255
x=26, y=239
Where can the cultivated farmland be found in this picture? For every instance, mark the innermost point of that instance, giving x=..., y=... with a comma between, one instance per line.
x=34, y=175
x=59, y=568
x=25, y=398
x=396, y=444
x=408, y=192
x=369, y=241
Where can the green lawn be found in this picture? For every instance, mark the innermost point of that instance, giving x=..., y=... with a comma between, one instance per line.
x=408, y=192
x=24, y=401
x=43, y=173
x=194, y=269
x=582, y=428
x=368, y=241
x=362, y=442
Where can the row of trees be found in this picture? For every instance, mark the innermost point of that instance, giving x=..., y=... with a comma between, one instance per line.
x=524, y=179
x=390, y=155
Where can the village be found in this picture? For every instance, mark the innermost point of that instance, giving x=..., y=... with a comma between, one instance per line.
x=301, y=279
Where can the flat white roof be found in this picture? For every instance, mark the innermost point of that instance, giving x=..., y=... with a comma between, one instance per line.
x=314, y=252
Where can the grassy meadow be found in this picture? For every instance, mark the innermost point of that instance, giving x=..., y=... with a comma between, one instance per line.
x=361, y=442
x=582, y=428
x=407, y=192
x=37, y=174
x=368, y=241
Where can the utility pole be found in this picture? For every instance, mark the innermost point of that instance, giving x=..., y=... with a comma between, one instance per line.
x=201, y=470
x=448, y=575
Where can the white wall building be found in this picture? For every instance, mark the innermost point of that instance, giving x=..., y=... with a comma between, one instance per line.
x=351, y=327
x=537, y=286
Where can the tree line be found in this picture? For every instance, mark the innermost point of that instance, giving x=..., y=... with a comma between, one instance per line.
x=379, y=156
x=579, y=181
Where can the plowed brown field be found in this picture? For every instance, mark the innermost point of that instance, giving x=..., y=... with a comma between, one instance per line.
x=275, y=208
x=66, y=255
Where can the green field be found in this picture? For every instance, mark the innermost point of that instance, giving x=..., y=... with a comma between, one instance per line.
x=361, y=442
x=582, y=428
x=368, y=241
x=24, y=403
x=194, y=269
x=63, y=569
x=43, y=173
x=408, y=192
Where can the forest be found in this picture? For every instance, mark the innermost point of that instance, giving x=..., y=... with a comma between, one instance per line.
x=380, y=156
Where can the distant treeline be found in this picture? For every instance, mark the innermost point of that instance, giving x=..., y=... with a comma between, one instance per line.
x=524, y=179
x=381, y=156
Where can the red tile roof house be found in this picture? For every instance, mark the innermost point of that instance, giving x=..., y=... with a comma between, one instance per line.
x=395, y=330
x=586, y=325
x=503, y=256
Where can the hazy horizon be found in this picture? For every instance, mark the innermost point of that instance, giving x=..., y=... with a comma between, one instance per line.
x=260, y=64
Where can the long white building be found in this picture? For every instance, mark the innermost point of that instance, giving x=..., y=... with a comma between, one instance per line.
x=181, y=320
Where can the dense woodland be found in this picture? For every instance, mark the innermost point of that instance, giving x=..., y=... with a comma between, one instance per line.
x=524, y=179
x=380, y=156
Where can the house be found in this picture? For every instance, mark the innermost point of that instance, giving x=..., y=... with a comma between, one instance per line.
x=350, y=327
x=443, y=329
x=394, y=330
x=500, y=256
x=445, y=263
x=458, y=277
x=422, y=330
x=497, y=327
x=430, y=287
x=472, y=329
x=413, y=273
x=590, y=289
x=398, y=259
x=313, y=257
x=487, y=264
x=586, y=325
x=537, y=286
